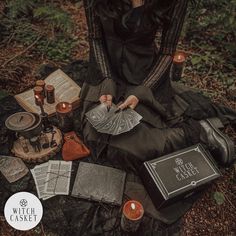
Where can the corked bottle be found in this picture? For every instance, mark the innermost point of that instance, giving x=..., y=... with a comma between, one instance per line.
x=50, y=93
x=41, y=83
x=38, y=94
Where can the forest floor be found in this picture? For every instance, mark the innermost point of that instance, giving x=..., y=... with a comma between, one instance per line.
x=215, y=212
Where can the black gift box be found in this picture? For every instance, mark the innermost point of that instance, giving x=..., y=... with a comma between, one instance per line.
x=178, y=175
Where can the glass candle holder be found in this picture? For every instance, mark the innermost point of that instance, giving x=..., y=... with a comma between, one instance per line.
x=177, y=66
x=65, y=116
x=132, y=216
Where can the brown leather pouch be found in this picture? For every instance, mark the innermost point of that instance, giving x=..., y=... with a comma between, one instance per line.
x=73, y=147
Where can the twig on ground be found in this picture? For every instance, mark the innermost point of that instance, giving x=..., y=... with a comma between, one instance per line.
x=21, y=53
x=226, y=197
x=208, y=73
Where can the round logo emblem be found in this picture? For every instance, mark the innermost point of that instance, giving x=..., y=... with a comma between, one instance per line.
x=179, y=161
x=23, y=211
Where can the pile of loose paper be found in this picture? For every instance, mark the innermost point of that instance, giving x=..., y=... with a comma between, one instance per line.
x=52, y=178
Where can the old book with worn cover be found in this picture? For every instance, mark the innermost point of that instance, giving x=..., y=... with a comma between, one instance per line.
x=99, y=183
x=66, y=90
x=178, y=175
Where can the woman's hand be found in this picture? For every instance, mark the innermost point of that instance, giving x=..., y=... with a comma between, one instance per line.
x=132, y=101
x=106, y=99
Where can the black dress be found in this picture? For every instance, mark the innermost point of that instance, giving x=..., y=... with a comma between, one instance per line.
x=125, y=60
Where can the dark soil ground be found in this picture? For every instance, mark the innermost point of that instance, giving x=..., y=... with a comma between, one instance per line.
x=209, y=215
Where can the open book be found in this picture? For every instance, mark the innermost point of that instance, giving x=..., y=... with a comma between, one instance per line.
x=66, y=90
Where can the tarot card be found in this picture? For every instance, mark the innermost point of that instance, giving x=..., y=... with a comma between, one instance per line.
x=116, y=121
x=122, y=126
x=134, y=114
x=110, y=125
x=12, y=168
x=131, y=118
x=97, y=114
x=109, y=116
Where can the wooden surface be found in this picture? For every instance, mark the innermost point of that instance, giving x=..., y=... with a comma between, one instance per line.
x=43, y=155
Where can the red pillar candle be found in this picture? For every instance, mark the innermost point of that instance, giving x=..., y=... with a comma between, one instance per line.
x=177, y=66
x=64, y=116
x=132, y=216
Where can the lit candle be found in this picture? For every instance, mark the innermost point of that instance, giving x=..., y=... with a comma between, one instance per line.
x=39, y=103
x=64, y=116
x=177, y=66
x=132, y=216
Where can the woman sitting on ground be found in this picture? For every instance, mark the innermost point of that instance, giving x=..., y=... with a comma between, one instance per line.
x=127, y=67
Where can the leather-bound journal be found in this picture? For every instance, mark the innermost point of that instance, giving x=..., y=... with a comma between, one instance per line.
x=178, y=175
x=99, y=183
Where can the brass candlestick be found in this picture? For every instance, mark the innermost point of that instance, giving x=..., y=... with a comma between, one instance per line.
x=47, y=127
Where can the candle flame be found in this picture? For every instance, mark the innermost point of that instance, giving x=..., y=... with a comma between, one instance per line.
x=37, y=96
x=133, y=206
x=179, y=57
x=63, y=105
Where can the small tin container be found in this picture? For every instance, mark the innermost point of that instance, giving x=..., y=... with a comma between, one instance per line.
x=50, y=93
x=132, y=216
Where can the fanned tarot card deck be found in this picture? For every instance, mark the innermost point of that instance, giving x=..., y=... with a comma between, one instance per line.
x=113, y=121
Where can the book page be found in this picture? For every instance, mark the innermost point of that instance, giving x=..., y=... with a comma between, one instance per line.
x=66, y=90
x=27, y=101
x=39, y=174
x=58, y=177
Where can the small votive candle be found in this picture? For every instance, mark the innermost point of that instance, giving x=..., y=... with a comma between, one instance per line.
x=177, y=66
x=38, y=94
x=132, y=216
x=64, y=116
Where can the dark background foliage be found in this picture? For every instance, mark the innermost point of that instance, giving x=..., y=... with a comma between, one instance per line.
x=38, y=32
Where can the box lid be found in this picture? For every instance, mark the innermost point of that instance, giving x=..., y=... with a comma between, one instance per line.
x=182, y=171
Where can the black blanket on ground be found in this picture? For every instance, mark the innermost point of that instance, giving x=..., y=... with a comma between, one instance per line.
x=67, y=215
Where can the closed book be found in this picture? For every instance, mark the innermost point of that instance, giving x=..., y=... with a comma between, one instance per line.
x=177, y=175
x=99, y=183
